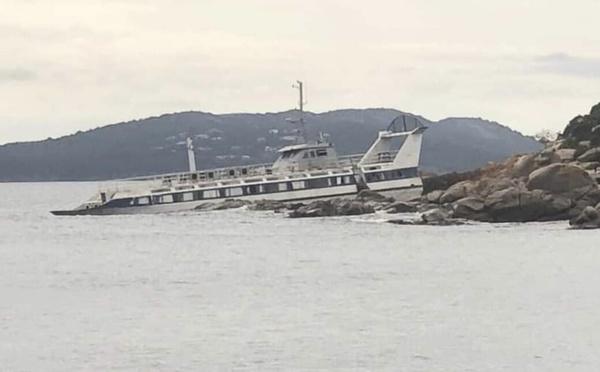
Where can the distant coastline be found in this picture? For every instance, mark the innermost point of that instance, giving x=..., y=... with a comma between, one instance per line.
x=156, y=145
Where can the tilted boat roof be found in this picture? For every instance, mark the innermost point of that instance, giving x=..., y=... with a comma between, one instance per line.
x=305, y=146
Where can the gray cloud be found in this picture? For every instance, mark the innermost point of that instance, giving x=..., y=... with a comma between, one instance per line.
x=565, y=64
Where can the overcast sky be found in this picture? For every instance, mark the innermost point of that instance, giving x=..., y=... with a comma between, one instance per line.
x=68, y=65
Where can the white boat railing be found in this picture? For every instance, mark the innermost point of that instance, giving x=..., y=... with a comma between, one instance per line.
x=219, y=174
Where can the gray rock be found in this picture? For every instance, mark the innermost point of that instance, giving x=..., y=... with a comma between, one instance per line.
x=434, y=196
x=489, y=186
x=566, y=155
x=523, y=166
x=334, y=207
x=436, y=216
x=471, y=208
x=591, y=165
x=267, y=205
x=518, y=205
x=559, y=178
x=457, y=191
x=589, y=218
x=223, y=205
x=546, y=157
x=448, y=222
x=369, y=195
x=592, y=154
x=401, y=207
x=426, y=207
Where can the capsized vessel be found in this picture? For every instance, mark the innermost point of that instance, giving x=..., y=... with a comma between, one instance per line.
x=306, y=171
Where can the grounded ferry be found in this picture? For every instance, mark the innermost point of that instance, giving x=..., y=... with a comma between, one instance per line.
x=307, y=171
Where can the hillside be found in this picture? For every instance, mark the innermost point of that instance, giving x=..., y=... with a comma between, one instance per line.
x=157, y=145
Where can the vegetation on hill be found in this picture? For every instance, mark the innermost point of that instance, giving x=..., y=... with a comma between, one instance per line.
x=157, y=145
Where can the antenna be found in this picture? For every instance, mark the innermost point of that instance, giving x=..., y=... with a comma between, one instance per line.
x=300, y=86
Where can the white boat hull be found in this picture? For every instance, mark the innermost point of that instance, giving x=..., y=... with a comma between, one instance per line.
x=407, y=192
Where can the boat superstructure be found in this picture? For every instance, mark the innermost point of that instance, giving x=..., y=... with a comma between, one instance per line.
x=305, y=171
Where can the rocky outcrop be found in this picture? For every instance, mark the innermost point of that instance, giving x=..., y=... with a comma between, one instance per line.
x=560, y=178
x=372, y=196
x=433, y=217
x=471, y=207
x=333, y=207
x=223, y=205
x=566, y=155
x=457, y=191
x=554, y=184
x=401, y=207
x=270, y=205
x=590, y=155
x=589, y=218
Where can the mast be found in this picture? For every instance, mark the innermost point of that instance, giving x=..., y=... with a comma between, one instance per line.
x=300, y=86
x=191, y=156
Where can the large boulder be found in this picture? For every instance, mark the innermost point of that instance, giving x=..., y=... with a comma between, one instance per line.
x=438, y=216
x=560, y=178
x=524, y=166
x=434, y=196
x=471, y=208
x=566, y=155
x=589, y=218
x=489, y=186
x=518, y=205
x=546, y=157
x=457, y=191
x=590, y=166
x=590, y=155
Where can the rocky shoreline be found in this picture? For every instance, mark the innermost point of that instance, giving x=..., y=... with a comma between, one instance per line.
x=551, y=185
x=557, y=183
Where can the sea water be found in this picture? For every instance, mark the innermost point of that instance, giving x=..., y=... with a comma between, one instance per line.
x=243, y=290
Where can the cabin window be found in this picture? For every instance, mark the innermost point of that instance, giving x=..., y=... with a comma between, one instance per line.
x=145, y=200
x=253, y=189
x=271, y=187
x=322, y=152
x=187, y=196
x=283, y=186
x=312, y=154
x=235, y=191
x=210, y=194
x=298, y=185
x=333, y=181
x=231, y=172
x=374, y=177
x=318, y=183
x=289, y=154
x=161, y=199
x=347, y=180
x=305, y=155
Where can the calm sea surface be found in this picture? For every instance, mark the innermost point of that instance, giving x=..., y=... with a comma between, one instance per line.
x=242, y=290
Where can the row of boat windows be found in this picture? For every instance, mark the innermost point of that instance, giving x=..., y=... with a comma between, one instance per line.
x=396, y=174
x=232, y=192
x=307, y=154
